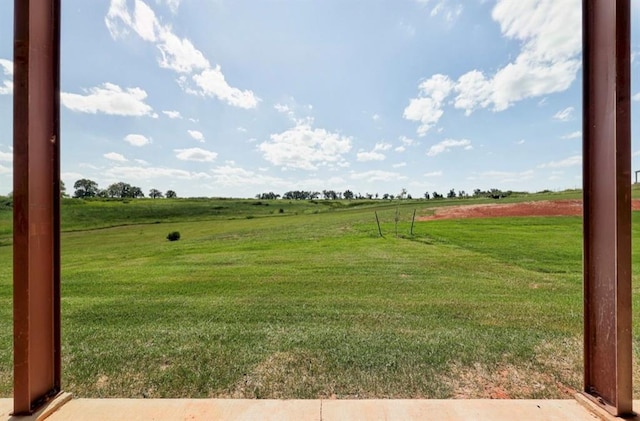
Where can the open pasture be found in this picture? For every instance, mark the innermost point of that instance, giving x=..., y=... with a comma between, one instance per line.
x=311, y=302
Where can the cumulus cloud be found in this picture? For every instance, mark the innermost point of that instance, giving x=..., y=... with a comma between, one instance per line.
x=114, y=156
x=175, y=53
x=6, y=77
x=549, y=32
x=448, y=144
x=109, y=99
x=305, y=147
x=375, y=154
x=137, y=139
x=195, y=154
x=196, y=135
x=427, y=108
x=568, y=162
x=212, y=83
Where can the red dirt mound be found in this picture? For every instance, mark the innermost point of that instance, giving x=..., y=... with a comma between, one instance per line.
x=496, y=210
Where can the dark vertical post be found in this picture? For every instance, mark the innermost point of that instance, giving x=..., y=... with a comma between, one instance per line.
x=36, y=190
x=607, y=204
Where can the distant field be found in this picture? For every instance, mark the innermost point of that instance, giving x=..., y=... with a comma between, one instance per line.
x=310, y=302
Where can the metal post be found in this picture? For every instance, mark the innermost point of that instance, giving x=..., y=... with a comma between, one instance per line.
x=607, y=204
x=36, y=191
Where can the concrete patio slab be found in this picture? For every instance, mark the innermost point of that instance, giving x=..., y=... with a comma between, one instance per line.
x=314, y=410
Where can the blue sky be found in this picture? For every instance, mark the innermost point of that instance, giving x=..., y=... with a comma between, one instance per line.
x=237, y=97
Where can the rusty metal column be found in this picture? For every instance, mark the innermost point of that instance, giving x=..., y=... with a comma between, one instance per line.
x=607, y=204
x=36, y=195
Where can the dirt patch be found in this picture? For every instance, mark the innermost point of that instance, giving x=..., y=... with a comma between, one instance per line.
x=496, y=210
x=555, y=372
x=281, y=376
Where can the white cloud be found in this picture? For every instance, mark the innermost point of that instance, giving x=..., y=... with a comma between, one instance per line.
x=137, y=139
x=573, y=135
x=370, y=156
x=550, y=35
x=6, y=86
x=447, y=145
x=377, y=175
x=196, y=135
x=109, y=99
x=375, y=154
x=177, y=54
x=6, y=156
x=399, y=165
x=521, y=142
x=241, y=129
x=636, y=97
x=195, y=154
x=564, y=115
x=173, y=5
x=5, y=170
x=212, y=83
x=305, y=147
x=407, y=141
x=114, y=156
x=400, y=149
x=427, y=107
x=172, y=114
x=375, y=117
x=433, y=174
x=568, y=162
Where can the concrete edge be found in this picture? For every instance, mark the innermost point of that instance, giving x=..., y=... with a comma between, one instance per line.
x=599, y=411
x=52, y=406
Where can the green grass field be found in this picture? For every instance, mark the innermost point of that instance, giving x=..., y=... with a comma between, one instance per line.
x=310, y=302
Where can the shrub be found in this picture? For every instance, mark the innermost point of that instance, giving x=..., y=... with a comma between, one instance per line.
x=173, y=236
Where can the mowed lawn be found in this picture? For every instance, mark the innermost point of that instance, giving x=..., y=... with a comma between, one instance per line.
x=279, y=305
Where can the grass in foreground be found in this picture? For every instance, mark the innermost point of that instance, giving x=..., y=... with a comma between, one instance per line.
x=317, y=305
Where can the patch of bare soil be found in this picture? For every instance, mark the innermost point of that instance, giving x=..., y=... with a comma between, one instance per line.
x=496, y=210
x=555, y=373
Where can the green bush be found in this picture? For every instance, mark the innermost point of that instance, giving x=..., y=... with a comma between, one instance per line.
x=173, y=236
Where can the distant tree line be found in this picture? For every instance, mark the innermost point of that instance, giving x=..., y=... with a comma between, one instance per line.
x=350, y=195
x=85, y=188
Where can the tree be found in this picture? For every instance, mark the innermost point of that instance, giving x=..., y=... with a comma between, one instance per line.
x=451, y=194
x=85, y=188
x=403, y=194
x=170, y=194
x=348, y=194
x=155, y=194
x=135, y=192
x=426, y=195
x=63, y=189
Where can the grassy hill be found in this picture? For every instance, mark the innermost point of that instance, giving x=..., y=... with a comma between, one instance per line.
x=311, y=301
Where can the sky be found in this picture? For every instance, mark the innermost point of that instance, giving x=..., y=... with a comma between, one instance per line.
x=232, y=98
